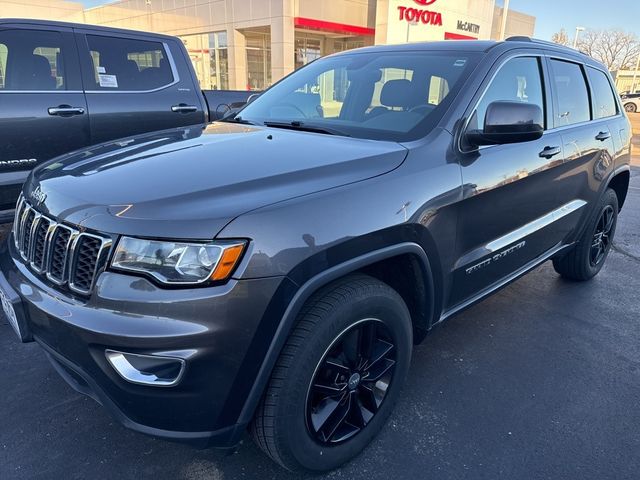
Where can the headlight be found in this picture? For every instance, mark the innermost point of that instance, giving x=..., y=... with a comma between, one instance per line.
x=178, y=263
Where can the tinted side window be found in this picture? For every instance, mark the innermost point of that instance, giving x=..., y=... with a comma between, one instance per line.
x=571, y=94
x=31, y=60
x=129, y=65
x=518, y=80
x=604, y=102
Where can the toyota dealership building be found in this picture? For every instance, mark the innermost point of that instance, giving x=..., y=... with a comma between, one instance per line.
x=250, y=44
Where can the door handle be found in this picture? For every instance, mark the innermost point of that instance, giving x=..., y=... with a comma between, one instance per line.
x=602, y=136
x=183, y=108
x=65, y=111
x=549, y=152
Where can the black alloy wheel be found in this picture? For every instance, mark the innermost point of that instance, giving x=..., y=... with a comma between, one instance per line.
x=588, y=254
x=602, y=236
x=350, y=382
x=338, y=376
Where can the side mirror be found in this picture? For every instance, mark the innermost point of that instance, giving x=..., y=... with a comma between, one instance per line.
x=509, y=122
x=252, y=97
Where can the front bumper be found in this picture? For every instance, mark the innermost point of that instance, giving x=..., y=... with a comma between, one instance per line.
x=215, y=330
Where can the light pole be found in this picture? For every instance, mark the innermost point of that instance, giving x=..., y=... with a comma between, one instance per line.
x=409, y=25
x=575, y=39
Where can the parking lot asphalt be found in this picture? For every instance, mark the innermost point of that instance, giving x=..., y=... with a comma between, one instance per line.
x=540, y=381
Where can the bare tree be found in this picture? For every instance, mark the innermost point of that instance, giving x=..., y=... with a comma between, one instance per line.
x=616, y=49
x=560, y=37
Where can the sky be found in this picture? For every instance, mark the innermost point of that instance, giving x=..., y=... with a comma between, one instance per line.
x=552, y=15
x=93, y=3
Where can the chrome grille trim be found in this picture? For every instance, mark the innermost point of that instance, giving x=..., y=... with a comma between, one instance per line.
x=16, y=221
x=52, y=257
x=105, y=246
x=25, y=217
x=38, y=264
x=56, y=257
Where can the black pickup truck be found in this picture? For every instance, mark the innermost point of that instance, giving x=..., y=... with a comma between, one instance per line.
x=68, y=86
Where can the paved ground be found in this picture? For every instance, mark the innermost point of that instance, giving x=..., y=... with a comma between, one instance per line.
x=540, y=381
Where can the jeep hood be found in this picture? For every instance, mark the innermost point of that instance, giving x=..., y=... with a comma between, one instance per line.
x=191, y=182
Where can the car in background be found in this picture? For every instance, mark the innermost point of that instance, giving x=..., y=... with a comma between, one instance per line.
x=67, y=86
x=631, y=102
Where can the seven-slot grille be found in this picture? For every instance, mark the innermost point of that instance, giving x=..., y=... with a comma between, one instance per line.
x=65, y=255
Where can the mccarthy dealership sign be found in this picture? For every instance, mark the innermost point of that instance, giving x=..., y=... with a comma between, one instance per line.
x=426, y=16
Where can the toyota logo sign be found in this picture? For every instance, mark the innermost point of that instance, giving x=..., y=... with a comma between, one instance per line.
x=425, y=2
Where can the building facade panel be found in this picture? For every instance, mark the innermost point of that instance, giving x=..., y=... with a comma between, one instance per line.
x=518, y=23
x=627, y=81
x=52, y=9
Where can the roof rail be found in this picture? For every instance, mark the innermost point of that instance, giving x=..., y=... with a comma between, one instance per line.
x=522, y=38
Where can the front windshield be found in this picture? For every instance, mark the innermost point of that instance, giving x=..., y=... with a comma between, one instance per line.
x=381, y=95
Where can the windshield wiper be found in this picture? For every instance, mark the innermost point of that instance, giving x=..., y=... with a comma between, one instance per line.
x=305, y=127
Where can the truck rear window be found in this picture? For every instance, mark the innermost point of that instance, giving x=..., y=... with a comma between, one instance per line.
x=121, y=64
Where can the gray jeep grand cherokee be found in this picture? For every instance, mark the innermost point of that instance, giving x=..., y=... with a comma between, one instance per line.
x=273, y=271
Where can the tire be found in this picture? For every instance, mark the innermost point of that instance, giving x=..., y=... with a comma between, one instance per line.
x=630, y=107
x=288, y=425
x=587, y=257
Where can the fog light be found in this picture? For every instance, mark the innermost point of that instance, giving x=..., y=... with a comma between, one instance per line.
x=150, y=370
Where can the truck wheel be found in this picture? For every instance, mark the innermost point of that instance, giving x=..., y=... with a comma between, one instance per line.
x=630, y=107
x=338, y=376
x=587, y=257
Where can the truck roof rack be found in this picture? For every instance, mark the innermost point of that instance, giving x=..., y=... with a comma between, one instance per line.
x=522, y=38
x=518, y=38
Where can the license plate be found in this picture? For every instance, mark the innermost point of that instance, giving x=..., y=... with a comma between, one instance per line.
x=7, y=307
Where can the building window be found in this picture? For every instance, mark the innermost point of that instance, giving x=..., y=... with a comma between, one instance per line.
x=344, y=44
x=219, y=61
x=311, y=46
x=210, y=58
x=258, y=60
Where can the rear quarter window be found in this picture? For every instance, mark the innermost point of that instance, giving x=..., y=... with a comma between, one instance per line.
x=604, y=101
x=571, y=98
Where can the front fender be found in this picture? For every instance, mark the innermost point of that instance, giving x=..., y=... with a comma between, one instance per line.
x=288, y=321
